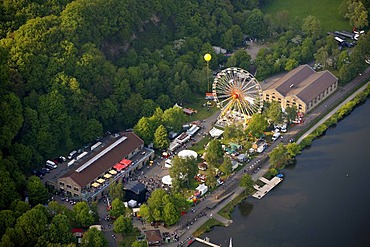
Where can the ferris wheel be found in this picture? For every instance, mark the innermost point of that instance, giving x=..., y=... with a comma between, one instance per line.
x=237, y=93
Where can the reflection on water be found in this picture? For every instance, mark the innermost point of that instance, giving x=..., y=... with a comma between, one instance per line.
x=323, y=200
x=245, y=208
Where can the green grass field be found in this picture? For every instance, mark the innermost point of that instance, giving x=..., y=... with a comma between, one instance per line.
x=196, y=102
x=325, y=10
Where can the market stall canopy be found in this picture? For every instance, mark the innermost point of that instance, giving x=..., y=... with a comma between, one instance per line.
x=119, y=166
x=95, y=185
x=202, y=188
x=107, y=175
x=125, y=162
x=113, y=172
x=167, y=180
x=100, y=180
x=187, y=154
x=214, y=132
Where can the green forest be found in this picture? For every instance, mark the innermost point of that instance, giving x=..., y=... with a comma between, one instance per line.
x=72, y=70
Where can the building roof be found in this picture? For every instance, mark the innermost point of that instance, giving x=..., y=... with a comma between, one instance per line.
x=317, y=83
x=292, y=79
x=303, y=82
x=153, y=236
x=96, y=165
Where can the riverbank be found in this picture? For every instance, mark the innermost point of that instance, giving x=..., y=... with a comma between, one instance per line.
x=316, y=197
x=335, y=99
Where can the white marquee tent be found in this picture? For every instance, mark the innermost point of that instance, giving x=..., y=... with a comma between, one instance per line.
x=187, y=153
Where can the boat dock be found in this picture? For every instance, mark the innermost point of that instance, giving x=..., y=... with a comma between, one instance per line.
x=269, y=185
x=206, y=241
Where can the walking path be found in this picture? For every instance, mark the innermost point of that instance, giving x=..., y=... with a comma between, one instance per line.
x=332, y=112
x=218, y=199
x=318, y=111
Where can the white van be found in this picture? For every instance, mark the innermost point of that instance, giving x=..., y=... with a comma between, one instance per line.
x=275, y=136
x=50, y=164
x=72, y=154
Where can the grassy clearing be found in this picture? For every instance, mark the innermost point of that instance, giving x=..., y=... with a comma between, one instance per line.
x=197, y=103
x=206, y=227
x=325, y=10
x=199, y=147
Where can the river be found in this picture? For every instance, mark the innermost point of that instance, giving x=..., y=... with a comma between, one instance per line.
x=324, y=199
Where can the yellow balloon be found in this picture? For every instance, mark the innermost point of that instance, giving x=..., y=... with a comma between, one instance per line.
x=207, y=57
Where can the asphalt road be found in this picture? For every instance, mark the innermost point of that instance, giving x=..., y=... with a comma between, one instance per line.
x=200, y=213
x=262, y=161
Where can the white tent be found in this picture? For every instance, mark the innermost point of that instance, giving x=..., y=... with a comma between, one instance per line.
x=167, y=180
x=187, y=153
x=214, y=132
x=168, y=163
x=132, y=203
x=202, y=188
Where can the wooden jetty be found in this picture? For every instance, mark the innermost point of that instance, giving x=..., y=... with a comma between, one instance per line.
x=269, y=185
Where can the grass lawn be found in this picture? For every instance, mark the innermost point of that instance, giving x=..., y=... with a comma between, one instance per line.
x=325, y=10
x=229, y=208
x=197, y=103
x=206, y=227
x=199, y=147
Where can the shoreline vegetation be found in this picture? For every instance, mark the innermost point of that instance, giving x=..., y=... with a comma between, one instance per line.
x=340, y=114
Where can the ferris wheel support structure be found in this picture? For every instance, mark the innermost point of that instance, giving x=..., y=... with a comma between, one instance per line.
x=237, y=93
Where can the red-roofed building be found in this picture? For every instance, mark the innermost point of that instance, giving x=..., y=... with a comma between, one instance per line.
x=117, y=160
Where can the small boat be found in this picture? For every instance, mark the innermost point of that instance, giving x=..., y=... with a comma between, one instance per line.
x=231, y=242
x=280, y=175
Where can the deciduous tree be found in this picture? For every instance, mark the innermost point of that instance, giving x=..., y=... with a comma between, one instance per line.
x=182, y=170
x=160, y=138
x=257, y=124
x=118, y=208
x=84, y=216
x=274, y=112
x=173, y=118
x=143, y=129
x=123, y=225
x=37, y=192
x=30, y=226
x=94, y=238
x=116, y=191
x=226, y=166
x=279, y=157
x=214, y=153
x=247, y=183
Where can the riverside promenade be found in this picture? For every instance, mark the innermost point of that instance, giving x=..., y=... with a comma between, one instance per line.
x=218, y=199
x=339, y=98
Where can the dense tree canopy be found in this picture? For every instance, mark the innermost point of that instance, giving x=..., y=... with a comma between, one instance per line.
x=72, y=69
x=163, y=207
x=214, y=153
x=182, y=171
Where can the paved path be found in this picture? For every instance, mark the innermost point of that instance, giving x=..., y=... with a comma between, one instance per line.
x=218, y=199
x=332, y=112
x=342, y=93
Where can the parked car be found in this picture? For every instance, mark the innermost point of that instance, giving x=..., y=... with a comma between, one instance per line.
x=45, y=169
x=38, y=173
x=275, y=136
